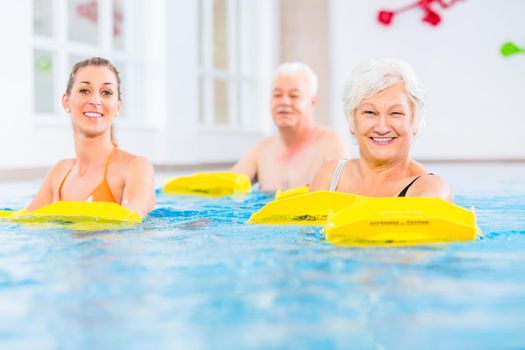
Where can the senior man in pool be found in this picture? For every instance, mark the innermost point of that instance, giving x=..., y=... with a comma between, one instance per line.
x=292, y=157
x=383, y=105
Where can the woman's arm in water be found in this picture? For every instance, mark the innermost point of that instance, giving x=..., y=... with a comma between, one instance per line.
x=44, y=196
x=139, y=186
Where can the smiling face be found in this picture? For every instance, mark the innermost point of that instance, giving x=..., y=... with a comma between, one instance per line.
x=93, y=100
x=292, y=102
x=383, y=125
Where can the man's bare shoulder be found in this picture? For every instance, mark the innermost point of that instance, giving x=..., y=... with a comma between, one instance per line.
x=264, y=145
x=267, y=141
x=331, y=143
x=323, y=134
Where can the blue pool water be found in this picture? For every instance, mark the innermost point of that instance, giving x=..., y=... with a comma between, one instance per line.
x=194, y=276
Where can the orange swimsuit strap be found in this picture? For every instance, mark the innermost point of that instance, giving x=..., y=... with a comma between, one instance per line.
x=101, y=193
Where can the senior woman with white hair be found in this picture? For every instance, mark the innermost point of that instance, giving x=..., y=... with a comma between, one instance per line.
x=383, y=105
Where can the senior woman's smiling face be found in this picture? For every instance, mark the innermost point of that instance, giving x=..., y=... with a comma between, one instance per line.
x=384, y=125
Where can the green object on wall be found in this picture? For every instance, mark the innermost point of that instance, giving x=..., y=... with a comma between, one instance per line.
x=43, y=64
x=509, y=49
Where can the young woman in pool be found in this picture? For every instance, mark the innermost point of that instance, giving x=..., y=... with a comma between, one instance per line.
x=101, y=172
x=383, y=105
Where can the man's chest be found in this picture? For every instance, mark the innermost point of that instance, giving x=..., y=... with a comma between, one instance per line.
x=284, y=171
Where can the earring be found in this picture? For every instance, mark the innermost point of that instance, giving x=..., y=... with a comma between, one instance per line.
x=354, y=140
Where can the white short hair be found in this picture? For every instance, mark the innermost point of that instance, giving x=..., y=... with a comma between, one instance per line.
x=373, y=76
x=299, y=68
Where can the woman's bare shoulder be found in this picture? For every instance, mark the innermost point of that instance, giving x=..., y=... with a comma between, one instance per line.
x=131, y=162
x=328, y=167
x=417, y=169
x=324, y=175
x=431, y=185
x=60, y=167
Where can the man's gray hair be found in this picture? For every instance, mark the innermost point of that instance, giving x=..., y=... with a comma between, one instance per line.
x=299, y=68
x=373, y=76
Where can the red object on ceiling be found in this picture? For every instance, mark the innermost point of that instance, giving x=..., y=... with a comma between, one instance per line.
x=431, y=17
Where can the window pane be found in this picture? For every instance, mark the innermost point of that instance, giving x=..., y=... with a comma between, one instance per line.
x=246, y=34
x=220, y=115
x=202, y=100
x=43, y=17
x=248, y=105
x=200, y=32
x=220, y=34
x=43, y=82
x=83, y=21
x=118, y=24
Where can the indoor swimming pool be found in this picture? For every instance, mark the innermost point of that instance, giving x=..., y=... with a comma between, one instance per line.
x=195, y=276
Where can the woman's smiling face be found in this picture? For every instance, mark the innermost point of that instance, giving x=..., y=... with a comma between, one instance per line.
x=384, y=125
x=93, y=100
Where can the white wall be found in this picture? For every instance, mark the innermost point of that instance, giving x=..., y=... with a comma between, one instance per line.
x=16, y=77
x=28, y=140
x=186, y=140
x=166, y=130
x=475, y=106
x=476, y=98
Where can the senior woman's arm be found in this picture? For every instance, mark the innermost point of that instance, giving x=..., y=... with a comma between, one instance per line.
x=323, y=176
x=431, y=186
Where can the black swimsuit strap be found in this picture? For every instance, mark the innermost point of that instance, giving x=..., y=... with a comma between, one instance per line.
x=404, y=191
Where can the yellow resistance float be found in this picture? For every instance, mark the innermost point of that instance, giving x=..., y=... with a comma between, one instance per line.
x=401, y=221
x=84, y=216
x=209, y=184
x=5, y=213
x=303, y=209
x=291, y=192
